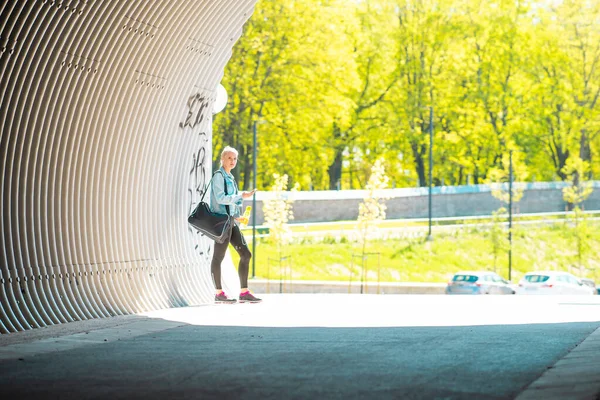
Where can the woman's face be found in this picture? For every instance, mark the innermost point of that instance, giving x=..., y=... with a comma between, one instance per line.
x=229, y=160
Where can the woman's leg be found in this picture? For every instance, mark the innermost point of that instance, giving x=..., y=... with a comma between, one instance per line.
x=215, y=265
x=240, y=245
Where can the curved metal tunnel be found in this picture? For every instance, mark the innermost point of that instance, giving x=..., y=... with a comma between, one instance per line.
x=106, y=117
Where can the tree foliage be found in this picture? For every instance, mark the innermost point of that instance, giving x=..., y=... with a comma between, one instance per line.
x=335, y=85
x=499, y=179
x=575, y=194
x=498, y=239
x=278, y=212
x=372, y=209
x=579, y=189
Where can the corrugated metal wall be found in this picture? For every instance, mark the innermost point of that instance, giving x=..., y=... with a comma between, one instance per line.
x=106, y=113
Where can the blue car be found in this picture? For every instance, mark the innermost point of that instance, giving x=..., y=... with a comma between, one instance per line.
x=479, y=282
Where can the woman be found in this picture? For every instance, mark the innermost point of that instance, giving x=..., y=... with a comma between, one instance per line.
x=225, y=199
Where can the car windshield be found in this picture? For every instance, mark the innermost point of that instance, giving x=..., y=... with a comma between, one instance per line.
x=465, y=278
x=536, y=278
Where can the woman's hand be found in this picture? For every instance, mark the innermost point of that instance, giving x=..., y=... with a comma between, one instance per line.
x=246, y=195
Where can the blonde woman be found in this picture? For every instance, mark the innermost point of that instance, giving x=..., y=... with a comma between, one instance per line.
x=225, y=199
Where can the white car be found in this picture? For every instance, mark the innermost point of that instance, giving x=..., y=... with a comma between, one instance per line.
x=552, y=282
x=591, y=284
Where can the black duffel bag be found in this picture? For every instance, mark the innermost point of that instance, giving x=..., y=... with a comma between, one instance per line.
x=215, y=226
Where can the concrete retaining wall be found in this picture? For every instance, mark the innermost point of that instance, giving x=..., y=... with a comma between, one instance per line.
x=275, y=286
x=448, y=201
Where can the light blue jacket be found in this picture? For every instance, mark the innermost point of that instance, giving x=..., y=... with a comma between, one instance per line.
x=218, y=198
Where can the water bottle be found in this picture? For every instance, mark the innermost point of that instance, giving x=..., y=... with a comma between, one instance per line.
x=246, y=217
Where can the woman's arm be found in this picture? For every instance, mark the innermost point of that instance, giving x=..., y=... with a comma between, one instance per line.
x=218, y=187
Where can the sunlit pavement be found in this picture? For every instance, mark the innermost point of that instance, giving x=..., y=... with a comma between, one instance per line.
x=307, y=346
x=337, y=310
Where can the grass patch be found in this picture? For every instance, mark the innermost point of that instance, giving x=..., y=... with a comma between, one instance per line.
x=335, y=258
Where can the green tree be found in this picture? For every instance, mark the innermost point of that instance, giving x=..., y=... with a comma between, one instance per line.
x=575, y=194
x=565, y=82
x=578, y=21
x=551, y=104
x=372, y=210
x=336, y=85
x=354, y=131
x=498, y=179
x=579, y=189
x=494, y=42
x=278, y=212
x=424, y=34
x=498, y=239
x=287, y=73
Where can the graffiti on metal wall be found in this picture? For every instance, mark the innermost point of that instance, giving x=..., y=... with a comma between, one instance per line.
x=197, y=107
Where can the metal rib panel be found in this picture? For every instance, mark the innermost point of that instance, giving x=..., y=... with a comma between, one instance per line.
x=105, y=147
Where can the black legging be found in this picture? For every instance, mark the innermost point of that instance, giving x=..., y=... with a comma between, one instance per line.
x=240, y=245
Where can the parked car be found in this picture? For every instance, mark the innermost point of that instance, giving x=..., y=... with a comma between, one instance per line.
x=591, y=284
x=479, y=282
x=552, y=282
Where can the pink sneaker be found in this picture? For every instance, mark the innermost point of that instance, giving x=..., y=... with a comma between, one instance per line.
x=247, y=297
x=223, y=299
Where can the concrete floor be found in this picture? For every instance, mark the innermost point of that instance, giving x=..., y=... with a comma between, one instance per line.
x=320, y=346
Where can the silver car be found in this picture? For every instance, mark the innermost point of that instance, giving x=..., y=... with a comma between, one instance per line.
x=479, y=282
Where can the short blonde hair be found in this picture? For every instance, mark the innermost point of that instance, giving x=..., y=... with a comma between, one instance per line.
x=228, y=149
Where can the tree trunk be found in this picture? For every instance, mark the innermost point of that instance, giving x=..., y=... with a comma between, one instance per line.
x=561, y=158
x=585, y=150
x=419, y=156
x=335, y=169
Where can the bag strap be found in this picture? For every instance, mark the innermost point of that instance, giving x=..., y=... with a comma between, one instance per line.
x=224, y=187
